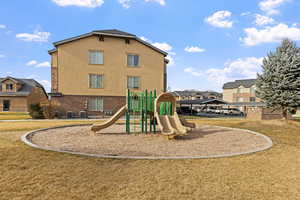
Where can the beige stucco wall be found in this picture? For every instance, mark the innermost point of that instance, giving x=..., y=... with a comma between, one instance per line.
x=228, y=95
x=36, y=96
x=17, y=104
x=232, y=95
x=74, y=67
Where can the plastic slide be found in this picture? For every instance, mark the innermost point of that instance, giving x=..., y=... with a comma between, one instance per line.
x=165, y=125
x=170, y=125
x=111, y=121
x=176, y=124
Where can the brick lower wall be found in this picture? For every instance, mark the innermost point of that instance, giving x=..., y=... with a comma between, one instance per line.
x=76, y=104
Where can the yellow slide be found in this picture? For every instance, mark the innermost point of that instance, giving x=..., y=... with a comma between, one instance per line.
x=176, y=124
x=111, y=121
x=170, y=126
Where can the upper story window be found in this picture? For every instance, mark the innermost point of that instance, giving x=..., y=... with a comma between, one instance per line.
x=133, y=60
x=9, y=87
x=133, y=82
x=239, y=90
x=96, y=57
x=252, y=90
x=95, y=81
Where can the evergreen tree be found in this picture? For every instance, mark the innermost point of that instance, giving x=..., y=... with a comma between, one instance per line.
x=279, y=84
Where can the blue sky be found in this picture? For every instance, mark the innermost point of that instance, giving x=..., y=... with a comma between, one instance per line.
x=209, y=42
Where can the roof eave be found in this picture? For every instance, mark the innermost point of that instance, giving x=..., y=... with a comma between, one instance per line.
x=108, y=34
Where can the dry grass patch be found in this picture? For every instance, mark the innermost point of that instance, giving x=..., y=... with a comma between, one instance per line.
x=14, y=116
x=27, y=173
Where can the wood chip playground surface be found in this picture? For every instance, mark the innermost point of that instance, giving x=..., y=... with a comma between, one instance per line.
x=203, y=142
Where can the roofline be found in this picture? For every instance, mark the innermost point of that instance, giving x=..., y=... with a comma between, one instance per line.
x=52, y=51
x=10, y=78
x=106, y=34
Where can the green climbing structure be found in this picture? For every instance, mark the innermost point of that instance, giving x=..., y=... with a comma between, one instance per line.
x=140, y=112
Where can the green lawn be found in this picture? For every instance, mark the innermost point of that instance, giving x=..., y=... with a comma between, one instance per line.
x=27, y=173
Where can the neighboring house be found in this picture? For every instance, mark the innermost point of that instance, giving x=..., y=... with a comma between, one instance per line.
x=240, y=91
x=93, y=71
x=17, y=95
x=196, y=95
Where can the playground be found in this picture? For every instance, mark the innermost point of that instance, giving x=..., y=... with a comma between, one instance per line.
x=152, y=130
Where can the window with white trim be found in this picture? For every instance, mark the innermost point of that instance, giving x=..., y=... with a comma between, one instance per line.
x=133, y=60
x=95, y=81
x=96, y=57
x=133, y=82
x=95, y=104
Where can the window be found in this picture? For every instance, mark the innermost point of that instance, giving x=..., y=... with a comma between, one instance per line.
x=252, y=90
x=240, y=99
x=96, y=57
x=132, y=60
x=9, y=87
x=239, y=90
x=95, y=104
x=95, y=81
x=252, y=99
x=133, y=82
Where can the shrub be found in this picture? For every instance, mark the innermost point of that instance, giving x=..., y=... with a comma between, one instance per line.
x=36, y=111
x=49, y=111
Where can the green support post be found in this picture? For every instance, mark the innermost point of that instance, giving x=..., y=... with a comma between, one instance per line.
x=146, y=115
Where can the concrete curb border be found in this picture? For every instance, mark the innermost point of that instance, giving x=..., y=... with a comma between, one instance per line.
x=26, y=138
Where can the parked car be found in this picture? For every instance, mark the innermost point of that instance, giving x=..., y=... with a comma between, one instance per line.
x=232, y=111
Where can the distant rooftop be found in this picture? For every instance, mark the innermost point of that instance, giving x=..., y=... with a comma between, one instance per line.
x=247, y=83
x=187, y=93
x=27, y=86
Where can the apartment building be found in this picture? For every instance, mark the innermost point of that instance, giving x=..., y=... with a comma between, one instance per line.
x=240, y=91
x=93, y=71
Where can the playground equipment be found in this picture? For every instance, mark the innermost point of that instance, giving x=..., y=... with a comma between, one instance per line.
x=144, y=111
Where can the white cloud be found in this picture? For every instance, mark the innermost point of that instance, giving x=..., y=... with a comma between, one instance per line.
x=2, y=56
x=262, y=20
x=144, y=38
x=273, y=34
x=31, y=63
x=79, y=3
x=194, y=49
x=241, y=68
x=161, y=2
x=43, y=64
x=46, y=84
x=36, y=36
x=171, y=60
x=37, y=64
x=271, y=6
x=168, y=48
x=245, y=13
x=125, y=3
x=163, y=46
x=220, y=19
x=2, y=26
